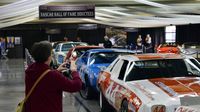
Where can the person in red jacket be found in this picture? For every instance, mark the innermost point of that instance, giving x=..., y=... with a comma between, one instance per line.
x=47, y=96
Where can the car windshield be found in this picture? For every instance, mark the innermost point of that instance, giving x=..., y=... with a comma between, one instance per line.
x=104, y=57
x=66, y=47
x=163, y=69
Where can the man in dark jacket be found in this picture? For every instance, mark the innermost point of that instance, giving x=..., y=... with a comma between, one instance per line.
x=0, y=48
x=107, y=43
x=47, y=96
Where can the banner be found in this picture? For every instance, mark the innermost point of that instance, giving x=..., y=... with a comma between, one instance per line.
x=10, y=42
x=67, y=11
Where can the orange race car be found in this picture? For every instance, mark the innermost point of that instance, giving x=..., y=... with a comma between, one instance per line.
x=168, y=48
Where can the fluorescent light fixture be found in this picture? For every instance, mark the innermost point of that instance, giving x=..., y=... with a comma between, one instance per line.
x=116, y=12
x=103, y=18
x=130, y=29
x=87, y=26
x=105, y=15
x=147, y=2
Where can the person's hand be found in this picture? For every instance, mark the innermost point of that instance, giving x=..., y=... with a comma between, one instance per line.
x=62, y=67
x=73, y=66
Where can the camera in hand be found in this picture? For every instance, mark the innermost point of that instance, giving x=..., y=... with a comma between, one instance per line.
x=67, y=73
x=68, y=65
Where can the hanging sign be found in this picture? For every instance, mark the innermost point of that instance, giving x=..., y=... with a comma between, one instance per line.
x=67, y=11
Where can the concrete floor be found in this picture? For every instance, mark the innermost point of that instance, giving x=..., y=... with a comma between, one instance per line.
x=12, y=90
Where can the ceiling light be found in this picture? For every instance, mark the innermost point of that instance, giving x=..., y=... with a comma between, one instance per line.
x=103, y=18
x=105, y=15
x=116, y=12
x=87, y=26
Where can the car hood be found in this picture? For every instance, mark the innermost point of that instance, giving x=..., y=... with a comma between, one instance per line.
x=166, y=90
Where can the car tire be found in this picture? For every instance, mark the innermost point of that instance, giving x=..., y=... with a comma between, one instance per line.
x=86, y=92
x=104, y=105
x=124, y=106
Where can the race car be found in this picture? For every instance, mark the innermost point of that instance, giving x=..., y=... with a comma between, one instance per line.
x=77, y=51
x=191, y=48
x=159, y=82
x=91, y=63
x=168, y=48
x=62, y=48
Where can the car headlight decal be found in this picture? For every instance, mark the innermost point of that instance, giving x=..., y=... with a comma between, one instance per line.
x=158, y=108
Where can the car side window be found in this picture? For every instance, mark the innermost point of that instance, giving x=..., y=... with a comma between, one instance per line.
x=116, y=69
x=57, y=48
x=85, y=57
x=113, y=65
x=123, y=70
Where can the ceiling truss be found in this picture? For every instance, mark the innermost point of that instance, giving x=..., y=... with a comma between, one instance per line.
x=120, y=13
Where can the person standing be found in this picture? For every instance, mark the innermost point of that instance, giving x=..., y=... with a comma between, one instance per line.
x=148, y=40
x=148, y=44
x=3, y=45
x=0, y=48
x=139, y=42
x=47, y=96
x=107, y=43
x=78, y=39
x=66, y=39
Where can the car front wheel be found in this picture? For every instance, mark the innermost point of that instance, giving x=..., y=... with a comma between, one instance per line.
x=105, y=106
x=86, y=92
x=124, y=106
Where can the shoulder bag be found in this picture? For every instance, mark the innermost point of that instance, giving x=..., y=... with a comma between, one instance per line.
x=20, y=106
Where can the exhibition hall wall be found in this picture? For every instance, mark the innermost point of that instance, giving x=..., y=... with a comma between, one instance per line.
x=30, y=33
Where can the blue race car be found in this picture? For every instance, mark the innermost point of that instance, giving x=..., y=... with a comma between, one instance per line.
x=91, y=63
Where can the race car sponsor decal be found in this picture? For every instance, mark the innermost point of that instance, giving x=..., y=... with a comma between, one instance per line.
x=111, y=91
x=115, y=93
x=170, y=91
x=103, y=79
x=186, y=109
x=147, y=91
x=178, y=86
x=144, y=90
x=135, y=102
x=192, y=83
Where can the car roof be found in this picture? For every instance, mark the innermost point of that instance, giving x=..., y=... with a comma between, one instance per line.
x=71, y=42
x=110, y=50
x=55, y=43
x=168, y=45
x=153, y=56
x=85, y=47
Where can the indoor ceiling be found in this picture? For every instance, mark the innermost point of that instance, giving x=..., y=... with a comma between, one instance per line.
x=119, y=13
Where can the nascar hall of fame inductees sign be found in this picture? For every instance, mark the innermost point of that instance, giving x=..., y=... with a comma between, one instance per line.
x=67, y=11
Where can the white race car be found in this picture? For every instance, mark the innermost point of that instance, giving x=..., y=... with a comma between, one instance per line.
x=149, y=83
x=62, y=49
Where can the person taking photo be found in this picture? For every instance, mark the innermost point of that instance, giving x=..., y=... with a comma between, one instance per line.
x=47, y=95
